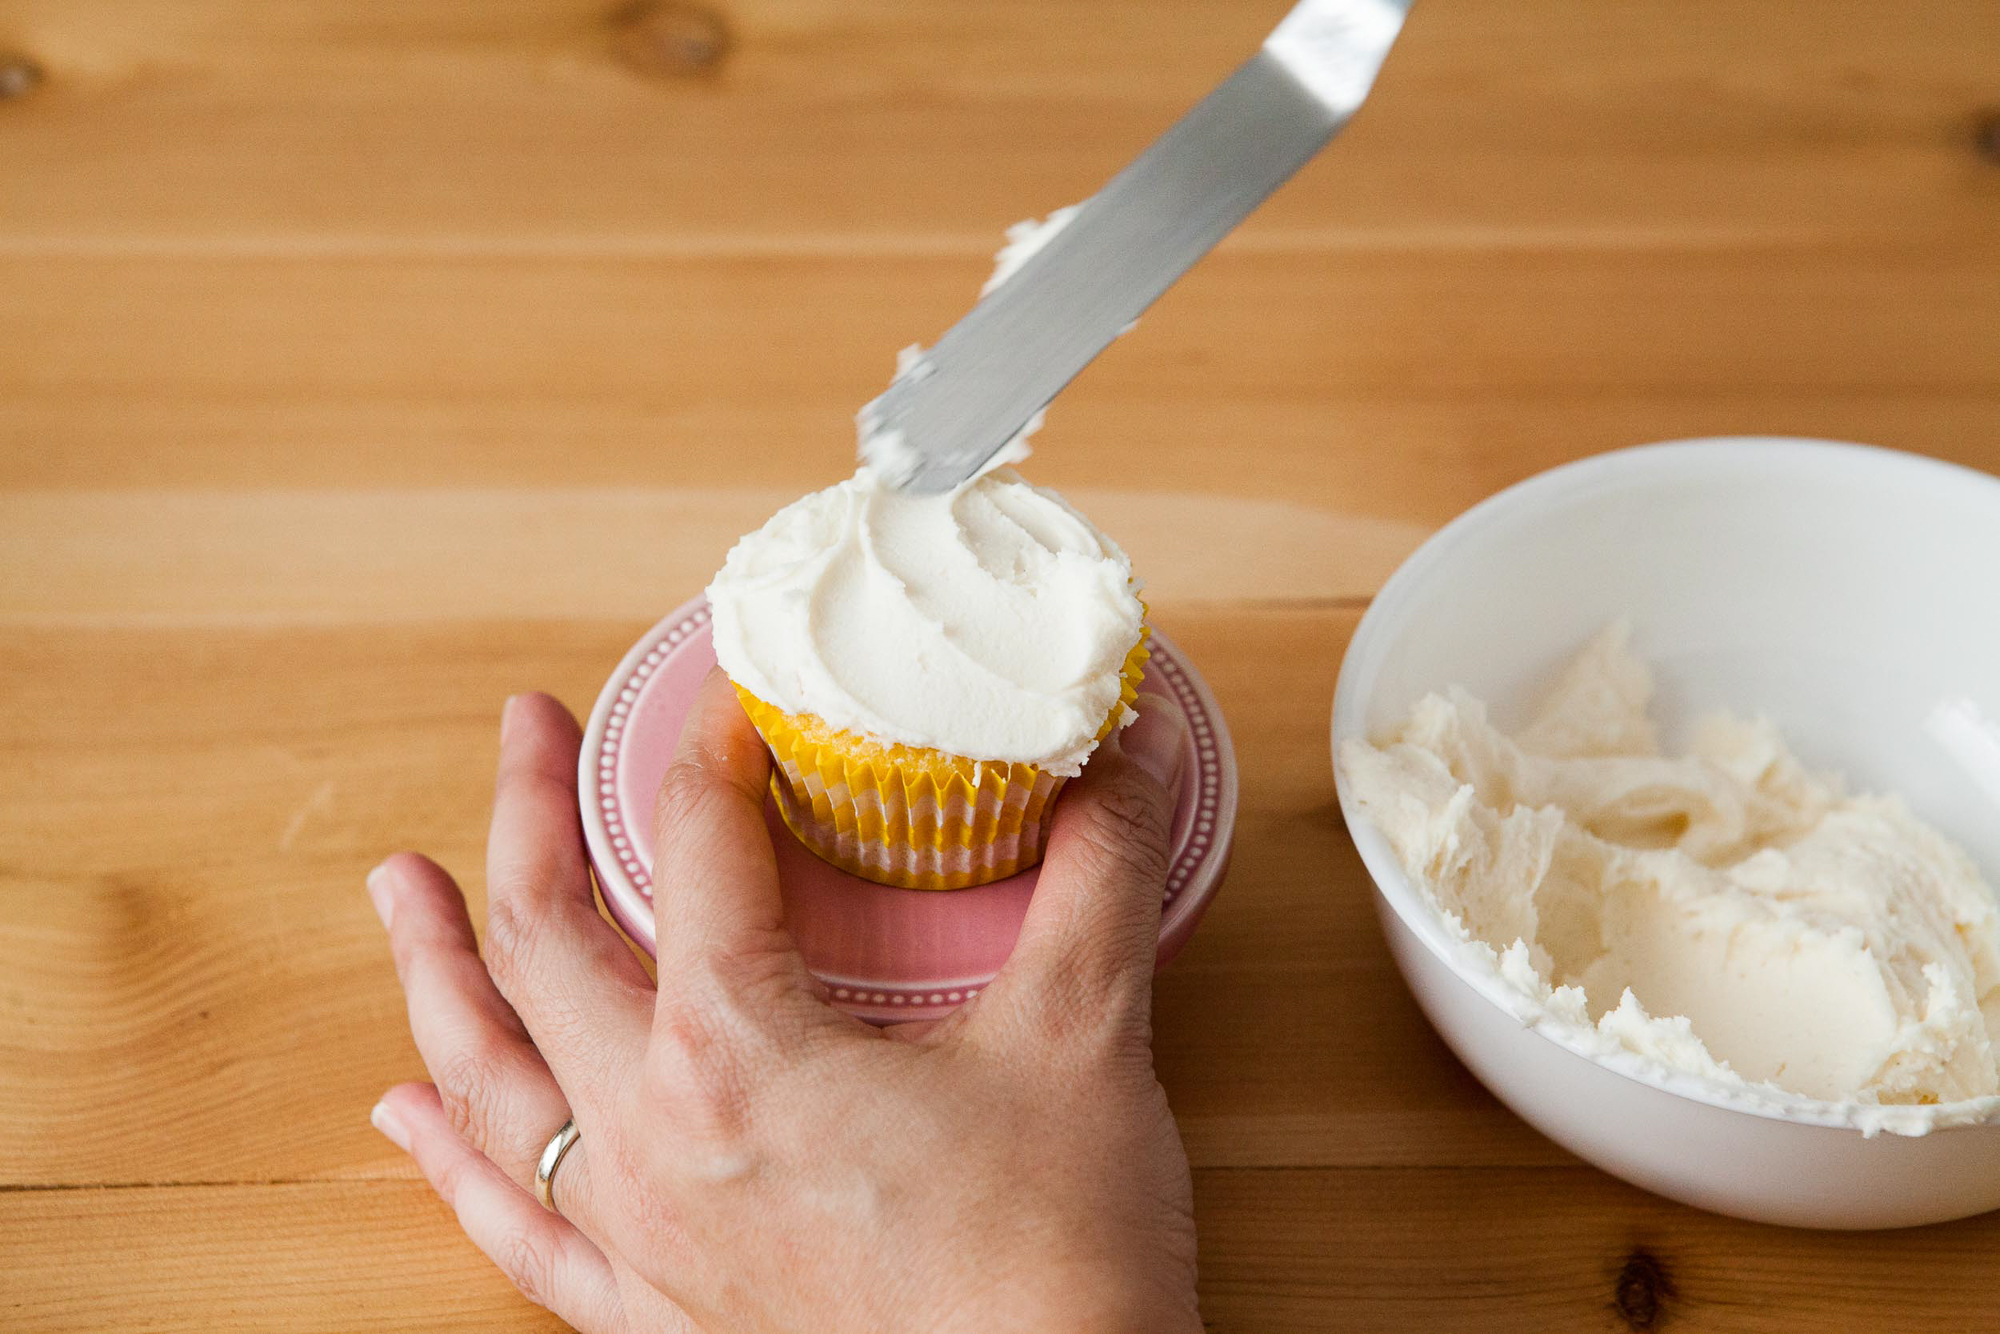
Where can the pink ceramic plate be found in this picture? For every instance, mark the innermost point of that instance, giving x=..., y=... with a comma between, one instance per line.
x=885, y=954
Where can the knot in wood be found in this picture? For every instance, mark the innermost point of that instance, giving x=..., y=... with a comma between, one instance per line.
x=19, y=75
x=666, y=39
x=1642, y=1291
x=1986, y=134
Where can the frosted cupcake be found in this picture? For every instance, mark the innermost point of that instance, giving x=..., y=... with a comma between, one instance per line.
x=929, y=670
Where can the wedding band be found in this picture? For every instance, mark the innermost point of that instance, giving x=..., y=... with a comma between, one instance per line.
x=560, y=1144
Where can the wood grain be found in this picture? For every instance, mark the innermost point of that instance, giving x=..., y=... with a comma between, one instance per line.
x=455, y=125
x=360, y=365
x=334, y=1258
x=1528, y=1251
x=1498, y=1251
x=1360, y=383
x=385, y=556
x=1359, y=453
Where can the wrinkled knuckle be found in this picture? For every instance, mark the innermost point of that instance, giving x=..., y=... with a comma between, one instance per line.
x=513, y=927
x=684, y=792
x=1100, y=994
x=1133, y=825
x=754, y=976
x=1099, y=969
x=471, y=1085
x=529, y=1261
x=702, y=774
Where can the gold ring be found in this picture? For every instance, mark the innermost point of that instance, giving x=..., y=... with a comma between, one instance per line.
x=559, y=1145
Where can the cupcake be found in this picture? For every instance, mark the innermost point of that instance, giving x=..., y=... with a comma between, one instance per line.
x=929, y=670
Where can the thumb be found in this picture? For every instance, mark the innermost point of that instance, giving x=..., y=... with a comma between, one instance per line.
x=1092, y=932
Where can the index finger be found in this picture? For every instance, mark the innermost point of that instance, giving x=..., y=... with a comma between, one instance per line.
x=715, y=875
x=564, y=969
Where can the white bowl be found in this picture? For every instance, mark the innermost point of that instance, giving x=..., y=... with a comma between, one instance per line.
x=1847, y=592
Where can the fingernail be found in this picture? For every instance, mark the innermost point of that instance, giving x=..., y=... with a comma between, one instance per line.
x=507, y=716
x=381, y=894
x=1155, y=743
x=384, y=1119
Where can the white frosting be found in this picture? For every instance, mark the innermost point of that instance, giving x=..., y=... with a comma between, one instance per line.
x=1024, y=241
x=1727, y=915
x=893, y=457
x=991, y=622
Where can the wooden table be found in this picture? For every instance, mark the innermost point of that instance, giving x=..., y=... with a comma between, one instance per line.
x=361, y=363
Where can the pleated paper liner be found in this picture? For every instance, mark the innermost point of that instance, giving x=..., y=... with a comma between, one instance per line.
x=909, y=816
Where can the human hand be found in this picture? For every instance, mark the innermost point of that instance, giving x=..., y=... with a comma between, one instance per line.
x=752, y=1159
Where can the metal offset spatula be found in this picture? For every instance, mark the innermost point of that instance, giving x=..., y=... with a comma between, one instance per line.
x=960, y=402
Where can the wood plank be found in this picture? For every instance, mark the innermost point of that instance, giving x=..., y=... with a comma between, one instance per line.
x=1496, y=1251
x=206, y=958
x=1402, y=387
x=290, y=558
x=1334, y=459
x=453, y=125
x=335, y=1258
x=1524, y=1251
x=1246, y=326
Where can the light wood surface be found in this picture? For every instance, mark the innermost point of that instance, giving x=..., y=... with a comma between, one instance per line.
x=361, y=364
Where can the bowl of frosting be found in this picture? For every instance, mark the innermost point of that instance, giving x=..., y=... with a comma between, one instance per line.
x=1677, y=771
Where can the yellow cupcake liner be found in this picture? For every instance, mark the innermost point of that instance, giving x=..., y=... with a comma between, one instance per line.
x=911, y=816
